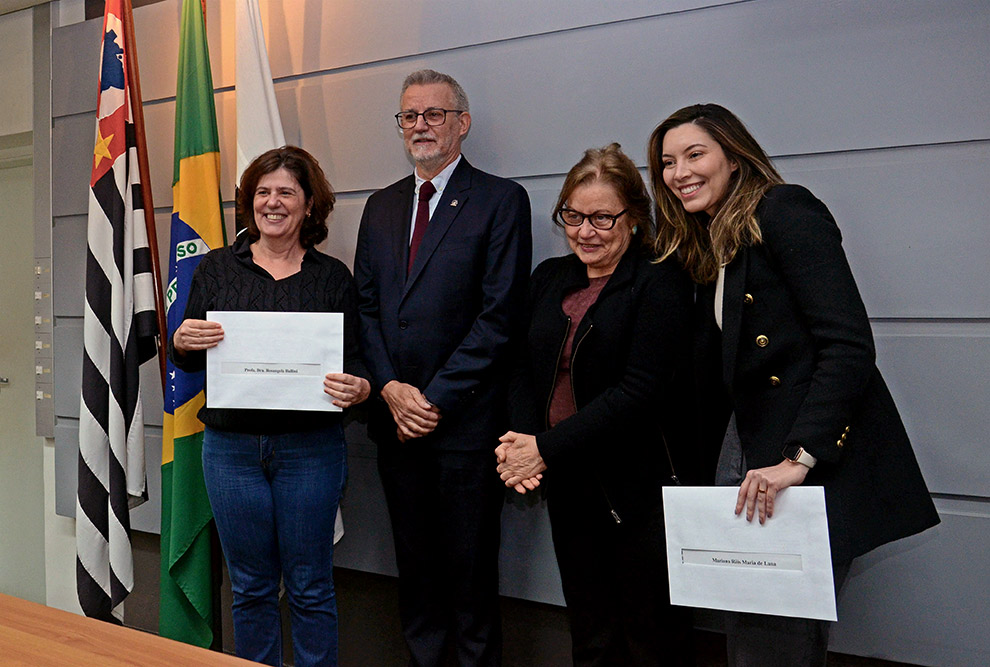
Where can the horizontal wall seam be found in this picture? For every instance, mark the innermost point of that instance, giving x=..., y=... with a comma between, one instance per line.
x=358, y=66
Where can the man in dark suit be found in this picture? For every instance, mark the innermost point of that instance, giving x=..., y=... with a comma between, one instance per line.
x=442, y=261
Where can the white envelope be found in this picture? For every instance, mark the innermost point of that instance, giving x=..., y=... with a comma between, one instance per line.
x=274, y=361
x=718, y=560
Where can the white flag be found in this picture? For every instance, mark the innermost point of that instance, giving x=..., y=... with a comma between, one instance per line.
x=259, y=126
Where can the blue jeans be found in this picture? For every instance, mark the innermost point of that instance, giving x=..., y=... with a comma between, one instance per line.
x=275, y=499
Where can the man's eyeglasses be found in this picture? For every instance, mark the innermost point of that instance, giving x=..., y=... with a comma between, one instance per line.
x=433, y=117
x=572, y=218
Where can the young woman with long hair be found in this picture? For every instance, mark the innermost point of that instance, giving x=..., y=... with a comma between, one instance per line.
x=786, y=364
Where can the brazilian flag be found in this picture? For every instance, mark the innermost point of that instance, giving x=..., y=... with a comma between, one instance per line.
x=186, y=605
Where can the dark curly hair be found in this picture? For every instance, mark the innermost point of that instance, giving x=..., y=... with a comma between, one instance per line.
x=307, y=171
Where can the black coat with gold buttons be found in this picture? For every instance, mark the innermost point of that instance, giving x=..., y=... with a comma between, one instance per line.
x=798, y=369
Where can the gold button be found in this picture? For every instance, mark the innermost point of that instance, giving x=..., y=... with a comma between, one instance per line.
x=839, y=443
x=842, y=437
x=774, y=381
x=762, y=341
x=847, y=429
x=747, y=299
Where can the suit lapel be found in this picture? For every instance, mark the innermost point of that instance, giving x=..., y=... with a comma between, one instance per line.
x=732, y=303
x=453, y=201
x=400, y=211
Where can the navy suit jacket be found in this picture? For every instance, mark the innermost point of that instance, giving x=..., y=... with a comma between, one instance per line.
x=445, y=328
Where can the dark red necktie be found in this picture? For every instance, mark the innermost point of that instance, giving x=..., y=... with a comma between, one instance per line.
x=426, y=191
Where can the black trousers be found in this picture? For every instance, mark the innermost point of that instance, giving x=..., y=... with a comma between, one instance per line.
x=445, y=511
x=614, y=577
x=759, y=640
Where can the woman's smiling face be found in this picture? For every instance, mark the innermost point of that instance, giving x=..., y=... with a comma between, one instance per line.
x=280, y=205
x=599, y=249
x=696, y=169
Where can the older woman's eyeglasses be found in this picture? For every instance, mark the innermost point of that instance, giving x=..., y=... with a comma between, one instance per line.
x=572, y=218
x=433, y=117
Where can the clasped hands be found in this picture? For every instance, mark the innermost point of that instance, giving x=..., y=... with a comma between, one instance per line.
x=414, y=415
x=521, y=467
x=520, y=464
x=195, y=335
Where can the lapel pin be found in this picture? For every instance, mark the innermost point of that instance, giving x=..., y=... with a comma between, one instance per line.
x=453, y=203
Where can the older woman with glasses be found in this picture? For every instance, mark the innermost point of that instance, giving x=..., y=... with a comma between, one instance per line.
x=596, y=407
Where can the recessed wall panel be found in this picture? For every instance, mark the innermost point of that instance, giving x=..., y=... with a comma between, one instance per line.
x=69, y=260
x=915, y=224
x=315, y=35
x=145, y=517
x=68, y=366
x=912, y=600
x=937, y=374
x=73, y=142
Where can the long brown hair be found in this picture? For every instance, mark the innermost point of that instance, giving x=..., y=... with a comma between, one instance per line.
x=704, y=244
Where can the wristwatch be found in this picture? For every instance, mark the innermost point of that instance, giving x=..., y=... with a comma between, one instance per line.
x=796, y=454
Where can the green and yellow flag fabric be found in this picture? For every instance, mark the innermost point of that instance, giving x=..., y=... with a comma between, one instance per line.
x=186, y=597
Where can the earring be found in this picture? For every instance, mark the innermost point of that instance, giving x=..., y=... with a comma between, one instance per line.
x=635, y=229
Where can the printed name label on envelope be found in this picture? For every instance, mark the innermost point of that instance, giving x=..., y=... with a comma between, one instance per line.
x=274, y=360
x=716, y=559
x=760, y=561
x=273, y=370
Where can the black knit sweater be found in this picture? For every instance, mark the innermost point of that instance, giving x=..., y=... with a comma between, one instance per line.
x=228, y=279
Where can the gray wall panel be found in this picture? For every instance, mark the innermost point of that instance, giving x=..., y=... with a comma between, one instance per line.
x=68, y=342
x=411, y=28
x=68, y=345
x=147, y=516
x=527, y=565
x=76, y=67
x=73, y=139
x=937, y=374
x=343, y=228
x=317, y=35
x=915, y=224
x=548, y=239
x=527, y=123
x=367, y=544
x=533, y=115
x=69, y=255
x=922, y=600
x=66, y=466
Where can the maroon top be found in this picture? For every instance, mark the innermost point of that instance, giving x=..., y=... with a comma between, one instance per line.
x=575, y=305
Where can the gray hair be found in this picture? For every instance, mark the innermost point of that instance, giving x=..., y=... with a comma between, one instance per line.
x=425, y=77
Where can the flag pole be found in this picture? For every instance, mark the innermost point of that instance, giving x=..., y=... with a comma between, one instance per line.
x=137, y=108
